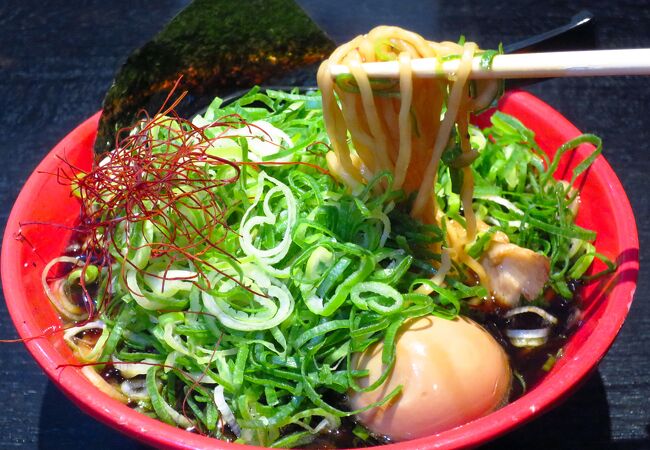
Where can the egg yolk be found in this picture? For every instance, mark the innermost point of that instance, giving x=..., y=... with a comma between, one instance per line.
x=451, y=372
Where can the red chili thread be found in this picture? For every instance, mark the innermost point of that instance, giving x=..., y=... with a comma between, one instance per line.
x=161, y=181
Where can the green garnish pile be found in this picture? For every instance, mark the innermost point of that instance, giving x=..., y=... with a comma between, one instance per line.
x=246, y=331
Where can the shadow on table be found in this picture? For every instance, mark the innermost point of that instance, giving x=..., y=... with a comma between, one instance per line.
x=581, y=422
x=63, y=425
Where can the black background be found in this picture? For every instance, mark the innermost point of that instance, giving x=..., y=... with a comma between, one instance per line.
x=57, y=59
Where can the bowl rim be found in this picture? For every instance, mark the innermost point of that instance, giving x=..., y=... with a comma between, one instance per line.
x=155, y=432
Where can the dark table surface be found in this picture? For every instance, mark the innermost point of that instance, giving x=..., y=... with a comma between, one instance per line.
x=57, y=59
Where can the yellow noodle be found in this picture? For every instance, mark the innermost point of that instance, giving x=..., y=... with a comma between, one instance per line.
x=372, y=115
x=425, y=193
x=400, y=127
x=334, y=122
x=100, y=383
x=406, y=94
x=467, y=188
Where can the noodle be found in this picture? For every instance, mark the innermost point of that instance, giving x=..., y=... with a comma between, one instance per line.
x=405, y=128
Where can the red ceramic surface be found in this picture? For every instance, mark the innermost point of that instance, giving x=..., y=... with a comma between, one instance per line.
x=28, y=247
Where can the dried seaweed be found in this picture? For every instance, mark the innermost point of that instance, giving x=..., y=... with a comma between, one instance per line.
x=218, y=47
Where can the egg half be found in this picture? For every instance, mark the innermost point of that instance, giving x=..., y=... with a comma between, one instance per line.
x=451, y=372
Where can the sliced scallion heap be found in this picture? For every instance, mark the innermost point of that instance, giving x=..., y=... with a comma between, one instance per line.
x=248, y=332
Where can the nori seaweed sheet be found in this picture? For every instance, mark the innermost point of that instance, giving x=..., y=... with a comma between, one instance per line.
x=219, y=47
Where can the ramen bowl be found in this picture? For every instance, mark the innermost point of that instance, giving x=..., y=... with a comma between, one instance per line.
x=39, y=228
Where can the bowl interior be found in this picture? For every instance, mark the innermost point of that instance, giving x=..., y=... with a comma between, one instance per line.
x=40, y=226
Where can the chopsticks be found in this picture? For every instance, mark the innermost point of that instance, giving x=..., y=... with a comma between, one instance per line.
x=523, y=65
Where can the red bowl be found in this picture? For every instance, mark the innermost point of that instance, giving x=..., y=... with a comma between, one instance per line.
x=44, y=202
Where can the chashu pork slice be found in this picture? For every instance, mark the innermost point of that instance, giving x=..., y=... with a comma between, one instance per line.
x=514, y=272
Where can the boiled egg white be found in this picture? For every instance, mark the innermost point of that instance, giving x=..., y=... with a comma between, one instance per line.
x=451, y=372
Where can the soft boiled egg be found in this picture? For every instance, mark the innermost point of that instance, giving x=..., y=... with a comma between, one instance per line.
x=451, y=372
